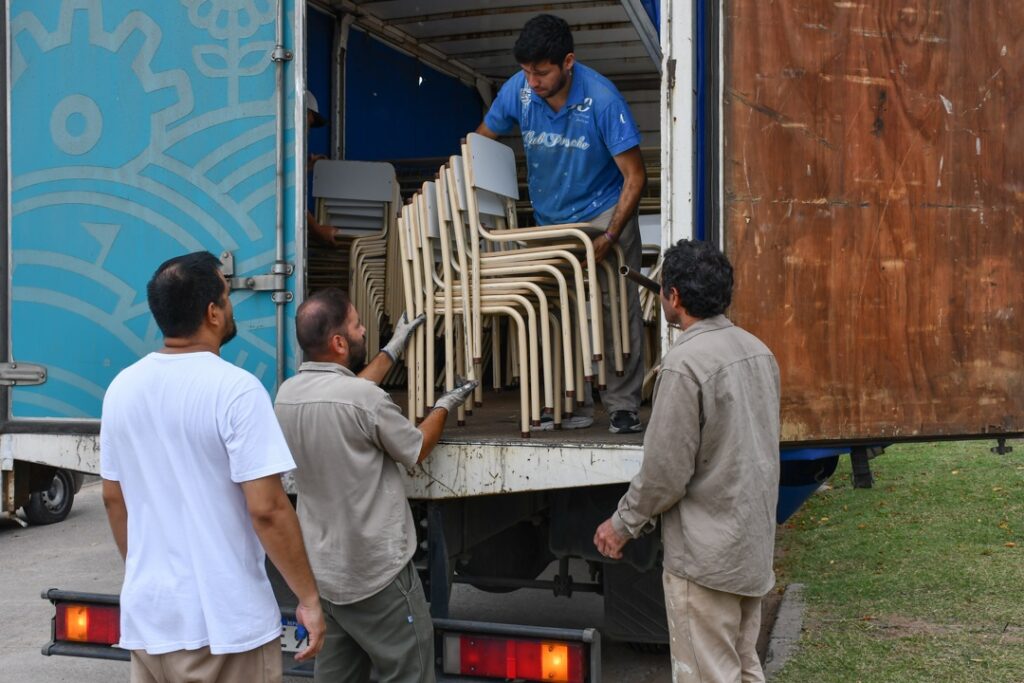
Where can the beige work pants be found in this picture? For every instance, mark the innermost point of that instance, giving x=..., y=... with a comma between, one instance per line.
x=260, y=665
x=712, y=635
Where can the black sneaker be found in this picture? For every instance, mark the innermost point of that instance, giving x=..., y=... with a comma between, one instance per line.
x=624, y=422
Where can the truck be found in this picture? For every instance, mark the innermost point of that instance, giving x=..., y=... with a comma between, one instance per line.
x=860, y=170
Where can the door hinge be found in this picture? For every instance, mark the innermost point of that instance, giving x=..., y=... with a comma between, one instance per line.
x=274, y=282
x=21, y=374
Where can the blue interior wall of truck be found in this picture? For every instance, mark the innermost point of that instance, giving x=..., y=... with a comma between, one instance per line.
x=653, y=9
x=399, y=108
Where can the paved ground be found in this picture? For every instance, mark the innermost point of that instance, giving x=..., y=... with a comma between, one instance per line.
x=78, y=554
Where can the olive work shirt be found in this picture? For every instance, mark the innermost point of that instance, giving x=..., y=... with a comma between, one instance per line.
x=348, y=439
x=711, y=460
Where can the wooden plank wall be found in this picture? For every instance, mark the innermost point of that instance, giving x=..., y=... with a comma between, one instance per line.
x=874, y=210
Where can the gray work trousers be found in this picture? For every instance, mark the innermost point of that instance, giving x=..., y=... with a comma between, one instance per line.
x=390, y=631
x=621, y=393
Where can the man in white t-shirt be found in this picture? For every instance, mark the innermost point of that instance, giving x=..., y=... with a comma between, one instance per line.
x=191, y=454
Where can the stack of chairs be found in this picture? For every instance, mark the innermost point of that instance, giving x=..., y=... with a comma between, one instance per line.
x=468, y=268
x=650, y=302
x=361, y=198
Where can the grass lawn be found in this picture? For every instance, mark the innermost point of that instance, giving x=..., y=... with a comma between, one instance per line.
x=920, y=578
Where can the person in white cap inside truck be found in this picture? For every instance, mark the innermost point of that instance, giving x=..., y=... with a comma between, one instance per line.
x=324, y=234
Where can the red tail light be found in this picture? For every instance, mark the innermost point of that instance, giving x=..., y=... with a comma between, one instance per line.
x=95, y=624
x=531, y=660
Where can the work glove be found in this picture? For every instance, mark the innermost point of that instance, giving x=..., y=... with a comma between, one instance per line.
x=456, y=397
x=400, y=337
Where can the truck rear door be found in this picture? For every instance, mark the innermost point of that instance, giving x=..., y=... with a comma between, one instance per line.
x=872, y=175
x=136, y=135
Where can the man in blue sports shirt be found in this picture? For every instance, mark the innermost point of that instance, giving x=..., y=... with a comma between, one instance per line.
x=583, y=166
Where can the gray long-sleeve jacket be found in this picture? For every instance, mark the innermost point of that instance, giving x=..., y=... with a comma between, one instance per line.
x=711, y=460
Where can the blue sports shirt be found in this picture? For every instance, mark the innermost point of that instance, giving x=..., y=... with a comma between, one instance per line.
x=570, y=169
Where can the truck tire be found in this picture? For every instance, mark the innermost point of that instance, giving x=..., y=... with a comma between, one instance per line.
x=54, y=504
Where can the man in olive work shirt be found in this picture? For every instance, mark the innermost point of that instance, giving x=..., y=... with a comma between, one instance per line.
x=711, y=471
x=348, y=439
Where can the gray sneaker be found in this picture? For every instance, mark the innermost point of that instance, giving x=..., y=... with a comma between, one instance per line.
x=575, y=422
x=624, y=422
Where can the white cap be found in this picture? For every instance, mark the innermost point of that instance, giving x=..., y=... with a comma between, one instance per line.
x=313, y=106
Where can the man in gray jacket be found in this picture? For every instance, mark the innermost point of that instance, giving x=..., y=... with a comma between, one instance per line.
x=711, y=470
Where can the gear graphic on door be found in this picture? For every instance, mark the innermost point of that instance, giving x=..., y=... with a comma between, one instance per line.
x=124, y=152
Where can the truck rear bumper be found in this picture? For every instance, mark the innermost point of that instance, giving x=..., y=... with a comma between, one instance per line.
x=589, y=638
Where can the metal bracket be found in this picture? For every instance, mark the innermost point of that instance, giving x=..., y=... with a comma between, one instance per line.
x=280, y=54
x=21, y=374
x=273, y=282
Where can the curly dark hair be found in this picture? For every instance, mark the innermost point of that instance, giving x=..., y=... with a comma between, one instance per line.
x=701, y=274
x=545, y=37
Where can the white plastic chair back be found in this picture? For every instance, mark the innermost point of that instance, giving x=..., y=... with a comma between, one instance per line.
x=432, y=228
x=430, y=197
x=650, y=229
x=650, y=237
x=460, y=182
x=494, y=166
x=367, y=181
x=354, y=195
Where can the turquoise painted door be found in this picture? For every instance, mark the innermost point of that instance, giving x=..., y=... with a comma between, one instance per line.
x=139, y=131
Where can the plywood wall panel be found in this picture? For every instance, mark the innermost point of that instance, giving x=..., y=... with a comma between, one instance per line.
x=873, y=174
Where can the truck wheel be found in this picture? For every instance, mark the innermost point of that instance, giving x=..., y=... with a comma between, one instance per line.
x=54, y=504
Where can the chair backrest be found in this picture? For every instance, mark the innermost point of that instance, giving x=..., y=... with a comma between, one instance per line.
x=368, y=181
x=492, y=208
x=354, y=195
x=460, y=230
x=444, y=209
x=493, y=166
x=650, y=229
x=455, y=163
x=432, y=226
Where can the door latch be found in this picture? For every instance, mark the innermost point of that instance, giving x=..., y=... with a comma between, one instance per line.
x=274, y=282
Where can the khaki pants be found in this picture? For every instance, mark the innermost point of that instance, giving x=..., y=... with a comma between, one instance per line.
x=261, y=665
x=390, y=631
x=713, y=635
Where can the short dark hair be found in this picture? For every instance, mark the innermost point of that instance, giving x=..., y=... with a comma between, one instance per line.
x=320, y=317
x=701, y=274
x=545, y=37
x=182, y=289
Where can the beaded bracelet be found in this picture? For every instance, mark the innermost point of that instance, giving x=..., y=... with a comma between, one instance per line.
x=611, y=236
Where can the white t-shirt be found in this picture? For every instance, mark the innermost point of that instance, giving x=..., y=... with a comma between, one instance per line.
x=180, y=432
